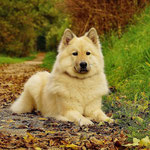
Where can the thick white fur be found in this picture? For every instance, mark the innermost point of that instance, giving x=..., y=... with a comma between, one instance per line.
x=64, y=93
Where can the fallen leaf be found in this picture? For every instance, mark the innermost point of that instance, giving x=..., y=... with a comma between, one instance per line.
x=145, y=141
x=96, y=141
x=37, y=148
x=42, y=118
x=52, y=132
x=73, y=146
x=135, y=142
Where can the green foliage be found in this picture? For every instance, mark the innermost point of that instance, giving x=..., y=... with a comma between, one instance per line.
x=22, y=22
x=127, y=61
x=127, y=65
x=49, y=60
x=17, y=27
x=55, y=33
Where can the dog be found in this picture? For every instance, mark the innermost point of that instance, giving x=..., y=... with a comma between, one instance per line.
x=73, y=90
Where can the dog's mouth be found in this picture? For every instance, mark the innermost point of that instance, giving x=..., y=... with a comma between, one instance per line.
x=81, y=70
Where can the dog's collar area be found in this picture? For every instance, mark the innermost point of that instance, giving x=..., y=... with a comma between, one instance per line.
x=66, y=73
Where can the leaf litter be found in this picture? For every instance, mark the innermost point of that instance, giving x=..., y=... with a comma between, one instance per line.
x=33, y=131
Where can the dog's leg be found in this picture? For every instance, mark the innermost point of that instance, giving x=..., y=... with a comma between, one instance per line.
x=94, y=111
x=23, y=104
x=99, y=115
x=75, y=116
x=62, y=118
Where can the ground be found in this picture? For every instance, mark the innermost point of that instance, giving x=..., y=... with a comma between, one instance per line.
x=33, y=131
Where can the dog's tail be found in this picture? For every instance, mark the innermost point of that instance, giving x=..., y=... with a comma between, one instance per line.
x=23, y=104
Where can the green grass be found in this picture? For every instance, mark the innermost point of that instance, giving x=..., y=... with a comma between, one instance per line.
x=49, y=60
x=9, y=60
x=127, y=65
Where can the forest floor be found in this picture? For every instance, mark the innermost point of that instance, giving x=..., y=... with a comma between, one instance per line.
x=32, y=131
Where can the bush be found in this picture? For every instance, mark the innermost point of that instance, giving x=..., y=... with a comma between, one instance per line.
x=104, y=15
x=56, y=29
x=16, y=22
x=23, y=21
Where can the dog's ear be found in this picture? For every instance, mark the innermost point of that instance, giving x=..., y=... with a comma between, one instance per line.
x=93, y=36
x=67, y=37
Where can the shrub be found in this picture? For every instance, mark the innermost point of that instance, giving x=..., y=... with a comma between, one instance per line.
x=104, y=15
x=23, y=21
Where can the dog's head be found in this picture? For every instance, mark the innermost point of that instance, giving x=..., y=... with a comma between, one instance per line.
x=80, y=57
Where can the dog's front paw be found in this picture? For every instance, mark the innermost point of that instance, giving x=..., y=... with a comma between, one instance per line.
x=105, y=119
x=109, y=120
x=85, y=121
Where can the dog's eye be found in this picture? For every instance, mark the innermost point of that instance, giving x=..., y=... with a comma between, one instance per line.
x=88, y=53
x=75, y=53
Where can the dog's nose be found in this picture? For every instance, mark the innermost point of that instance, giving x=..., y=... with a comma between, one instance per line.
x=83, y=64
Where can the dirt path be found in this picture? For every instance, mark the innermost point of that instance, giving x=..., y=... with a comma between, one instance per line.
x=31, y=131
x=13, y=77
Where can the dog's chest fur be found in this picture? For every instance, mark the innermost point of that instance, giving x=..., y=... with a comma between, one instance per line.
x=82, y=90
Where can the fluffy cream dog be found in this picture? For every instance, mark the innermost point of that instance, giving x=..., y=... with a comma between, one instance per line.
x=74, y=89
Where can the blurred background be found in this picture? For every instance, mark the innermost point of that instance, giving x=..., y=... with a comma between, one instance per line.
x=37, y=25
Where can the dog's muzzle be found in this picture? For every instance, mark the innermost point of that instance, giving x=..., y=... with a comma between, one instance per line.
x=82, y=67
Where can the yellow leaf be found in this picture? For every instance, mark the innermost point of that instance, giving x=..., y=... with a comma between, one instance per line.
x=72, y=146
x=135, y=142
x=37, y=148
x=145, y=141
x=29, y=137
x=10, y=120
x=147, y=64
x=112, y=104
x=101, y=123
x=52, y=132
x=143, y=94
x=42, y=118
x=139, y=119
x=96, y=141
x=117, y=98
x=135, y=98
